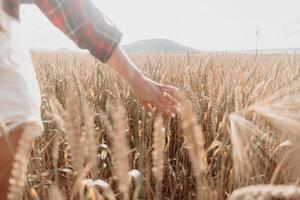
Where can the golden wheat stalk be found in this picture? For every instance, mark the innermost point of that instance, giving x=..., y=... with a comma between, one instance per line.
x=73, y=135
x=19, y=171
x=56, y=194
x=120, y=149
x=266, y=192
x=192, y=132
x=137, y=182
x=90, y=140
x=159, y=138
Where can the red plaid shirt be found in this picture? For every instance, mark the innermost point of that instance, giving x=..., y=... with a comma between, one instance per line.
x=79, y=20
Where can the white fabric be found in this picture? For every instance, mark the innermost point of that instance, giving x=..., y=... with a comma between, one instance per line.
x=19, y=89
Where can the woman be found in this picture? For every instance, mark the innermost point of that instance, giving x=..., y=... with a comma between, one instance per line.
x=19, y=90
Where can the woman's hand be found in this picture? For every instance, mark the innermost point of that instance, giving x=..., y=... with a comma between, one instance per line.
x=154, y=96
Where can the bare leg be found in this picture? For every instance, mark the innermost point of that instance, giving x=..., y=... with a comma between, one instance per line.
x=7, y=159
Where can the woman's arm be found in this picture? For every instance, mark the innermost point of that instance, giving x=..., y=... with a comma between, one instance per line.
x=152, y=95
x=90, y=29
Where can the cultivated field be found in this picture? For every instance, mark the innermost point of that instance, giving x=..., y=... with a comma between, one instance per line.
x=237, y=112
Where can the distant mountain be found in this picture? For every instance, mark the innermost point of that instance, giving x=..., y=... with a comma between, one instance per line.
x=157, y=46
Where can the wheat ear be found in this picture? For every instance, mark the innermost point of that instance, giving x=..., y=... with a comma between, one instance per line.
x=266, y=192
x=193, y=134
x=19, y=171
x=120, y=149
x=159, y=137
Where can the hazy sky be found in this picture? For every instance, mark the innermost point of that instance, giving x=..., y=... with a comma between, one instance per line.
x=202, y=24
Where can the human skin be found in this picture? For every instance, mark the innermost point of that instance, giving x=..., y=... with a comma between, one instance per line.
x=152, y=95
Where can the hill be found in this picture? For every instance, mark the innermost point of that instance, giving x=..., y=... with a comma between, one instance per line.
x=157, y=46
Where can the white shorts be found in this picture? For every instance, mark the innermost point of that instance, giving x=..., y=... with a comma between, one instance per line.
x=19, y=89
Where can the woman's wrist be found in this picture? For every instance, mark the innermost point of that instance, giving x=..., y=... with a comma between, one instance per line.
x=134, y=75
x=124, y=66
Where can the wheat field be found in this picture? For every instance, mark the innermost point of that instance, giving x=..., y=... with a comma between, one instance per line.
x=236, y=135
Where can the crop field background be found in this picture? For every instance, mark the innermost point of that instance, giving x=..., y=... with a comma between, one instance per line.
x=238, y=126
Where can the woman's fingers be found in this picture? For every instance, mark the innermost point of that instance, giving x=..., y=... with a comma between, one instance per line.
x=168, y=88
x=167, y=99
x=171, y=99
x=147, y=106
x=163, y=107
x=168, y=105
x=158, y=104
x=161, y=100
